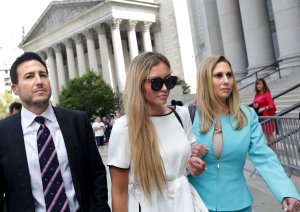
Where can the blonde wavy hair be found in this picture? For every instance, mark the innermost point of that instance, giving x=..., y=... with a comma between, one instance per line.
x=147, y=162
x=207, y=98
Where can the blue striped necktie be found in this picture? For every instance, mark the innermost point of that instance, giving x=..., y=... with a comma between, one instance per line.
x=53, y=185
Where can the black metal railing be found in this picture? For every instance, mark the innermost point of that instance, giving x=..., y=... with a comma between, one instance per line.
x=289, y=109
x=286, y=91
x=285, y=142
x=275, y=64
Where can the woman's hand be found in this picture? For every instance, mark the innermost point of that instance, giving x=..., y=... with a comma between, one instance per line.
x=199, y=150
x=195, y=166
x=255, y=105
x=263, y=109
x=290, y=204
x=260, y=110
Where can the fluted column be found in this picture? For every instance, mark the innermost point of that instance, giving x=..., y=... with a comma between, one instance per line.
x=91, y=51
x=104, y=53
x=118, y=53
x=70, y=59
x=146, y=37
x=232, y=35
x=52, y=75
x=287, y=16
x=80, y=55
x=62, y=81
x=133, y=48
x=257, y=32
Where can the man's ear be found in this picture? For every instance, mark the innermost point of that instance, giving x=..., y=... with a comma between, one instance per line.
x=15, y=89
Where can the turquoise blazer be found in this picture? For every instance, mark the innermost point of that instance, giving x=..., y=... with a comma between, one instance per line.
x=223, y=186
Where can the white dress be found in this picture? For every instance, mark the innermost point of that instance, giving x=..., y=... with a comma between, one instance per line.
x=175, y=147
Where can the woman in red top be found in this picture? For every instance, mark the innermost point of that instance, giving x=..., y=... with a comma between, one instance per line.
x=266, y=107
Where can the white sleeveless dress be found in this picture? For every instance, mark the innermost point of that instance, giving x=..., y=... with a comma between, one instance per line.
x=175, y=147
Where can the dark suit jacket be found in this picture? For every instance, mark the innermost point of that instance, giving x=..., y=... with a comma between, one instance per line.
x=87, y=169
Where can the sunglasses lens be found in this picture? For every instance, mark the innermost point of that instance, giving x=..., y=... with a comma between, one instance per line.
x=170, y=82
x=157, y=84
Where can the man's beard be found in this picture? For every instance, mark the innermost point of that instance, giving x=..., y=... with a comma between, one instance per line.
x=37, y=103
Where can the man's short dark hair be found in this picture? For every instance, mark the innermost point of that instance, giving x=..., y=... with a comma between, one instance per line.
x=14, y=105
x=26, y=56
x=174, y=102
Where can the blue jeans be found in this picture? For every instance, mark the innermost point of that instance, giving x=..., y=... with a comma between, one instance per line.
x=99, y=140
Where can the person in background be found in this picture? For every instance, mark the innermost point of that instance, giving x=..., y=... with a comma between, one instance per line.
x=265, y=106
x=231, y=131
x=149, y=149
x=15, y=107
x=48, y=157
x=178, y=103
x=107, y=129
x=98, y=128
x=115, y=116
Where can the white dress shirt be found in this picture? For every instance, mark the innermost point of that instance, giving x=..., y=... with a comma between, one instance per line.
x=30, y=128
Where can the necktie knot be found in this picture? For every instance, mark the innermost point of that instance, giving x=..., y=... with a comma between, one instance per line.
x=40, y=119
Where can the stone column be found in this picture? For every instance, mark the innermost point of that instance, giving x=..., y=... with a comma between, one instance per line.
x=232, y=36
x=104, y=53
x=118, y=53
x=70, y=58
x=212, y=34
x=62, y=80
x=287, y=16
x=257, y=32
x=93, y=66
x=80, y=55
x=133, y=48
x=52, y=75
x=146, y=37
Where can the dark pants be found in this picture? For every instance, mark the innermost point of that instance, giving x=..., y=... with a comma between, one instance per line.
x=99, y=140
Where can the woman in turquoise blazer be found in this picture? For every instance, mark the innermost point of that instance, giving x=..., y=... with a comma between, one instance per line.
x=231, y=131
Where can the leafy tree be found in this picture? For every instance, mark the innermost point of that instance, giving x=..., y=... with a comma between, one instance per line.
x=89, y=93
x=6, y=99
x=185, y=87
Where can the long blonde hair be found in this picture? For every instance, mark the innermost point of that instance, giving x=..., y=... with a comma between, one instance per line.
x=207, y=98
x=147, y=162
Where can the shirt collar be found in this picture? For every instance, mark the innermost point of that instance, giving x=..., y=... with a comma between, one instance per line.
x=28, y=117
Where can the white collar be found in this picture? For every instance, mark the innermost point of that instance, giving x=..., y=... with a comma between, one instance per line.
x=28, y=117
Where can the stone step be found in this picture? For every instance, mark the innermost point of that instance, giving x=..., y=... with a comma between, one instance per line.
x=293, y=96
x=277, y=86
x=273, y=92
x=278, y=104
x=277, y=101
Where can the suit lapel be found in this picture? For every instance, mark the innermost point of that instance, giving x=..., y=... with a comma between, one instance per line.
x=67, y=132
x=20, y=159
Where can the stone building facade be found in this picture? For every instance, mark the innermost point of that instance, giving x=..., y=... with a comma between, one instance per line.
x=75, y=36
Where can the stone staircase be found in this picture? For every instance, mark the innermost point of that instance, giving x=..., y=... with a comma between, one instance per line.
x=276, y=86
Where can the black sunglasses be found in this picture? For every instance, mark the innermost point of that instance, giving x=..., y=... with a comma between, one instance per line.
x=157, y=83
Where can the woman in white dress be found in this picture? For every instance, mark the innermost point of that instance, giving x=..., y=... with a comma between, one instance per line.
x=150, y=147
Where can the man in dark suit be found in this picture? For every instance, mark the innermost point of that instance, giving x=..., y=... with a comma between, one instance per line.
x=49, y=163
